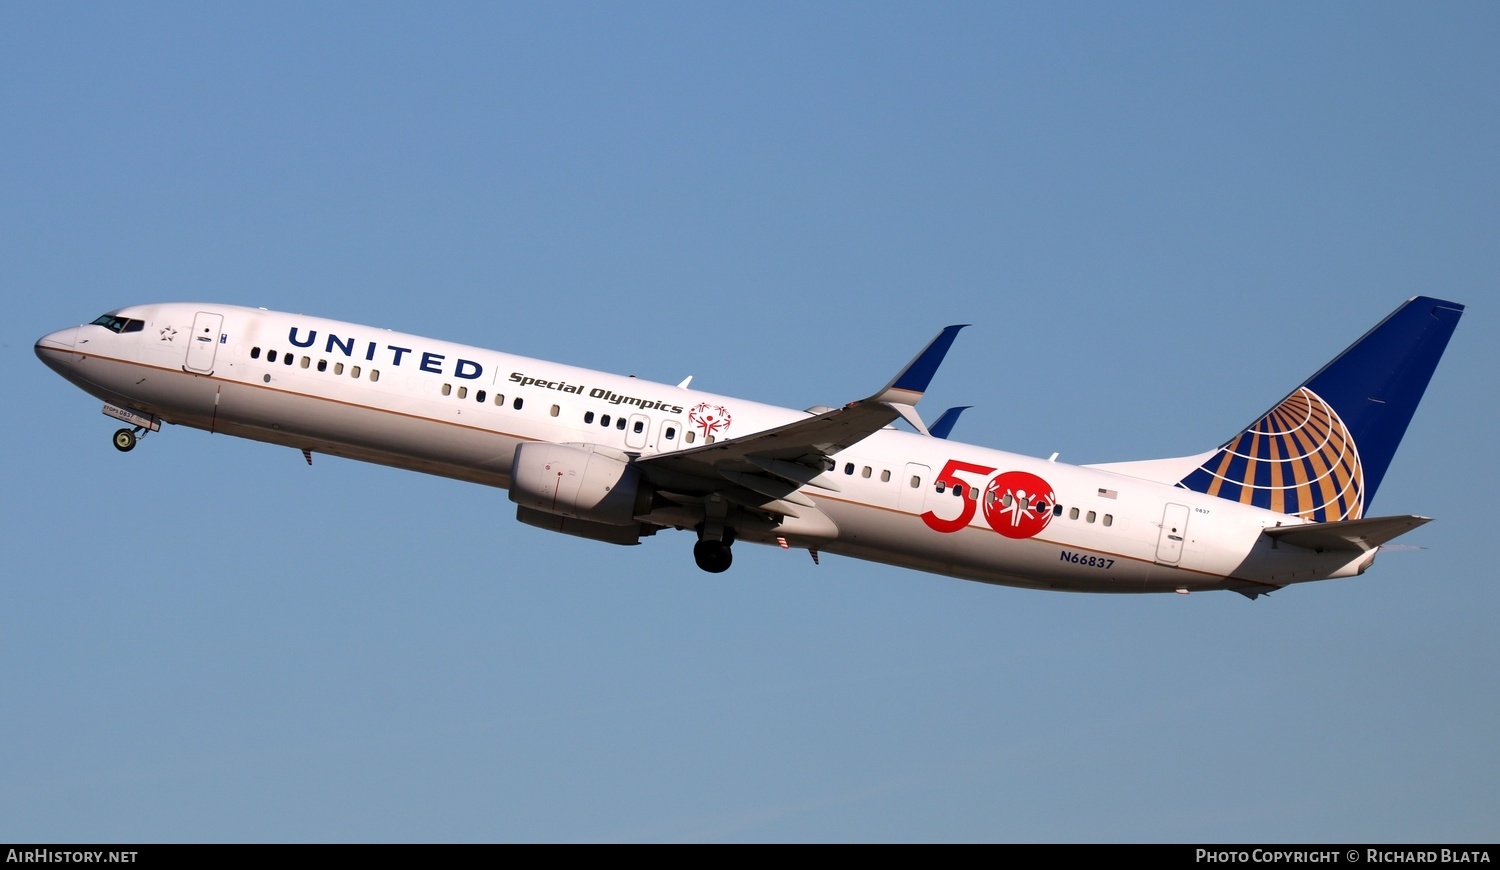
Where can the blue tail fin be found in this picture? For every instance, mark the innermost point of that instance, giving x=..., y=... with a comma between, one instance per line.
x=1322, y=451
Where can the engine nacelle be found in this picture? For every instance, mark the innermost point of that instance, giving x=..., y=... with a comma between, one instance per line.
x=627, y=535
x=577, y=481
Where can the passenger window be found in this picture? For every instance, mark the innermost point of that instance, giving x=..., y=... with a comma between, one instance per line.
x=255, y=353
x=604, y=421
x=322, y=365
x=374, y=374
x=940, y=486
x=287, y=359
x=588, y=417
x=1073, y=513
x=354, y=371
x=671, y=433
x=885, y=476
x=447, y=389
x=690, y=437
x=848, y=468
x=517, y=403
x=499, y=400
x=1090, y=518
x=555, y=410
x=864, y=472
x=270, y=356
x=479, y=397
x=338, y=368
x=916, y=482
x=958, y=490
x=711, y=439
x=1057, y=511
x=620, y=423
x=306, y=362
x=1109, y=519
x=463, y=391
x=639, y=426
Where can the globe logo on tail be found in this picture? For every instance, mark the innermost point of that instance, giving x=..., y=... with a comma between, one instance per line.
x=1298, y=459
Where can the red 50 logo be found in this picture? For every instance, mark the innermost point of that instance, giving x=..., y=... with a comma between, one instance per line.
x=1017, y=504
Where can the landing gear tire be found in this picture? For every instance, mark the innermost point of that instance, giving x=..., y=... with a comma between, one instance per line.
x=712, y=556
x=124, y=440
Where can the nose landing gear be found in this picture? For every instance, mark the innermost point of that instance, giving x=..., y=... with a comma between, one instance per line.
x=125, y=438
x=140, y=423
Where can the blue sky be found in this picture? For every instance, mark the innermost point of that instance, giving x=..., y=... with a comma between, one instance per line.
x=1158, y=217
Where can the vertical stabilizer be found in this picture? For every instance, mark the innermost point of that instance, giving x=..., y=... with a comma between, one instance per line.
x=1322, y=451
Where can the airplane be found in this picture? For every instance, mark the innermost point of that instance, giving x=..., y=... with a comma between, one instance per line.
x=616, y=459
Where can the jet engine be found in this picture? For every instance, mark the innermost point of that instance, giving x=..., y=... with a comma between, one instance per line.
x=579, y=481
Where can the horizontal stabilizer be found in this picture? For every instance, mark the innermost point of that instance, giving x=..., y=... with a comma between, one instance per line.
x=1353, y=535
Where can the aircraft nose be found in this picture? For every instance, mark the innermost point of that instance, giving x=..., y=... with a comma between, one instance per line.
x=56, y=348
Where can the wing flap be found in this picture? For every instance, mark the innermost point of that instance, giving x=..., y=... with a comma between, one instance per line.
x=770, y=487
x=799, y=474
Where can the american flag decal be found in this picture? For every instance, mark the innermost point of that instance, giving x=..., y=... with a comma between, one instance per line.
x=1298, y=459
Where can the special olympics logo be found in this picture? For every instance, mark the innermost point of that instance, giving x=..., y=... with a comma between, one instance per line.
x=709, y=418
x=1018, y=504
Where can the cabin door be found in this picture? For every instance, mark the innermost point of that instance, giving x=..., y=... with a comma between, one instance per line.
x=1173, y=532
x=915, y=482
x=203, y=343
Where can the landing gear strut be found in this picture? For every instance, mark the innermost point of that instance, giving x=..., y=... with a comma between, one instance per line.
x=713, y=556
x=125, y=440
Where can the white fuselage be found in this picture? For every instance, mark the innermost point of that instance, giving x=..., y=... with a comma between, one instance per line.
x=457, y=411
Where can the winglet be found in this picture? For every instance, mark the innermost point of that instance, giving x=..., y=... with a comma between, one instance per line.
x=908, y=386
x=943, y=426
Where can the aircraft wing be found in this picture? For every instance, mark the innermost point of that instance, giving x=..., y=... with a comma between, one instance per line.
x=795, y=453
x=805, y=440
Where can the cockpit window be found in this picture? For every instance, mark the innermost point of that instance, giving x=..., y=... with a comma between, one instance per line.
x=119, y=324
